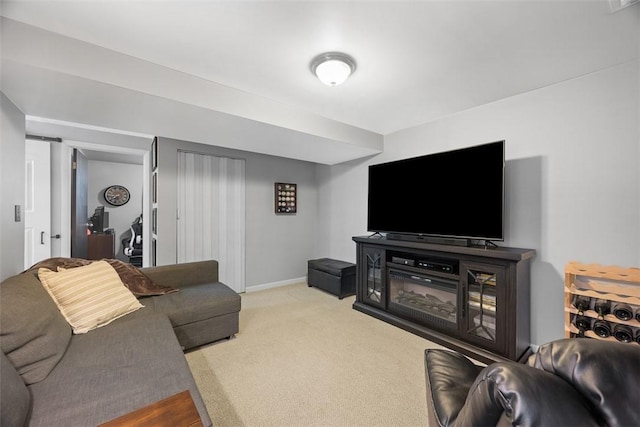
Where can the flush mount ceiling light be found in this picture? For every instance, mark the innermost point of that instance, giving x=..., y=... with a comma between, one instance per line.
x=333, y=68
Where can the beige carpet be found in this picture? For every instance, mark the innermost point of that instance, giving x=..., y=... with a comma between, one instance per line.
x=305, y=358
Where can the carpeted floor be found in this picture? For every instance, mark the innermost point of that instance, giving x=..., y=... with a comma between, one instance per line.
x=305, y=358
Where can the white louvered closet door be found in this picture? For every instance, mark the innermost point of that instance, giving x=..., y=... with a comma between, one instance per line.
x=211, y=214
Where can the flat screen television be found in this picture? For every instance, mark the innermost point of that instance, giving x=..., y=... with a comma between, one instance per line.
x=455, y=194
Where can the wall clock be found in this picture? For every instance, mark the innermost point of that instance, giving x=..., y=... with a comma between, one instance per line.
x=116, y=195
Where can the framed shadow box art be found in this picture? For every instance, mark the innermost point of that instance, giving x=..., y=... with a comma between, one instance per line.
x=286, y=198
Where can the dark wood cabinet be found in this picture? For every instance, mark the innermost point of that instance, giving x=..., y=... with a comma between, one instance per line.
x=100, y=245
x=484, y=305
x=370, y=270
x=472, y=299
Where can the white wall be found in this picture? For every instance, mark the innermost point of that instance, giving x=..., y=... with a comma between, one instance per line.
x=61, y=158
x=12, y=185
x=573, y=181
x=104, y=174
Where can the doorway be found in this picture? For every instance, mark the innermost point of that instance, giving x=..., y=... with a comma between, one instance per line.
x=61, y=184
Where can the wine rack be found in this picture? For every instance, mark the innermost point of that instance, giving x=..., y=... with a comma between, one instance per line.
x=617, y=285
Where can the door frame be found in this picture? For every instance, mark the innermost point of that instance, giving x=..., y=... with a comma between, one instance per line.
x=62, y=204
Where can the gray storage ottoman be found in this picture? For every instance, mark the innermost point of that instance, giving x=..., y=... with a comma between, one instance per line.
x=331, y=275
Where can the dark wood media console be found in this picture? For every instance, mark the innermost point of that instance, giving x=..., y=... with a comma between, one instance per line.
x=474, y=300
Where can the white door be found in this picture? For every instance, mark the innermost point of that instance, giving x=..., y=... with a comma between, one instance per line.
x=37, y=204
x=211, y=214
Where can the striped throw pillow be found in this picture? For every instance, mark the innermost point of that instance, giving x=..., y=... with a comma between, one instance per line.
x=89, y=297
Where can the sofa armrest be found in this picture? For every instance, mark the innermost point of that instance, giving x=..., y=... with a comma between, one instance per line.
x=605, y=372
x=515, y=394
x=183, y=274
x=16, y=400
x=449, y=376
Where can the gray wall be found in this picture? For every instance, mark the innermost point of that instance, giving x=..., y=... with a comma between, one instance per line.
x=277, y=246
x=12, y=158
x=573, y=187
x=573, y=181
x=103, y=174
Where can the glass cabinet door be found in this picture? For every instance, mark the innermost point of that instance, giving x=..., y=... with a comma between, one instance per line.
x=374, y=293
x=483, y=287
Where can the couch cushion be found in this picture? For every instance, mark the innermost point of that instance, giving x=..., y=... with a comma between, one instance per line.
x=114, y=370
x=16, y=400
x=55, y=262
x=183, y=274
x=90, y=296
x=33, y=333
x=136, y=281
x=195, y=303
x=449, y=376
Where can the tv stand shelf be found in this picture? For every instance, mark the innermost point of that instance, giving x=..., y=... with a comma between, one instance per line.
x=474, y=300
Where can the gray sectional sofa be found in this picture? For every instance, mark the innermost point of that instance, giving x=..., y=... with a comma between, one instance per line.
x=52, y=377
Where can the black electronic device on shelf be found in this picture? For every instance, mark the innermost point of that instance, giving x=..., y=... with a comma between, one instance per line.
x=442, y=266
x=99, y=221
x=403, y=260
x=453, y=195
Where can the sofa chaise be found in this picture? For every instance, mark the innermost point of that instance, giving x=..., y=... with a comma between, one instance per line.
x=54, y=374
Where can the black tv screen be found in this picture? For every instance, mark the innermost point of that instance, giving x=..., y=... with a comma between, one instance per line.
x=458, y=194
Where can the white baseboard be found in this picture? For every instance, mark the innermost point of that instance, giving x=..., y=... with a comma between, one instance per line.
x=275, y=284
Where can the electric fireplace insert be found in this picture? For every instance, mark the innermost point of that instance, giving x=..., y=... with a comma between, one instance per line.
x=427, y=298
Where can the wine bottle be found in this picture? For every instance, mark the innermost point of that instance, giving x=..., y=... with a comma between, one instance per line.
x=602, y=328
x=622, y=311
x=583, y=324
x=582, y=303
x=623, y=333
x=638, y=335
x=638, y=314
x=602, y=307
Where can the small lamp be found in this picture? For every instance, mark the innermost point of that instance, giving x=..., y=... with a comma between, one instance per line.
x=333, y=68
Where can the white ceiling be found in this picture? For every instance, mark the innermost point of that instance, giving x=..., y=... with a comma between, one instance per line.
x=244, y=66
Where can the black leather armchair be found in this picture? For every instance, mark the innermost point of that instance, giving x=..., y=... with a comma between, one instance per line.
x=569, y=382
